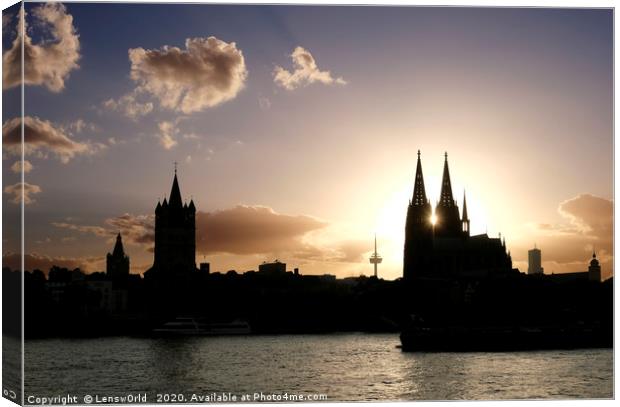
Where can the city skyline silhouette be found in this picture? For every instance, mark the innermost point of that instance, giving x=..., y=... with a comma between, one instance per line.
x=270, y=202
x=327, y=186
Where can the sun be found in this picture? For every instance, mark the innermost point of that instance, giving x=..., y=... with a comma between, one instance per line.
x=433, y=219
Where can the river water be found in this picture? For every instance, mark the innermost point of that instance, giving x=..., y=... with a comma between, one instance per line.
x=362, y=367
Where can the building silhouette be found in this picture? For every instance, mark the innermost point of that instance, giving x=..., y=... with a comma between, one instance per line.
x=117, y=262
x=592, y=274
x=445, y=249
x=276, y=267
x=534, y=257
x=175, y=236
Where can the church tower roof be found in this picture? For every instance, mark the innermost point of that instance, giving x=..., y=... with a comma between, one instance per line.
x=118, y=247
x=175, y=193
x=446, y=199
x=419, y=192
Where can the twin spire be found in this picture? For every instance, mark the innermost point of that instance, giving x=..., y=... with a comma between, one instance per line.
x=446, y=198
x=419, y=192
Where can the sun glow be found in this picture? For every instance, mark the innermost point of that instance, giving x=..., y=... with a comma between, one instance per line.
x=433, y=219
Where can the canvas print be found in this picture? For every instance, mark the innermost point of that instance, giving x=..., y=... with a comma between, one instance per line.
x=207, y=203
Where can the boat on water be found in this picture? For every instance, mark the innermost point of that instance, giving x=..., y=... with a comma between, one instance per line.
x=186, y=326
x=495, y=338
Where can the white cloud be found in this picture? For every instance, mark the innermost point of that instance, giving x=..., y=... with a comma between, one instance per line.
x=49, y=62
x=206, y=73
x=167, y=131
x=305, y=73
x=41, y=137
x=27, y=191
x=80, y=125
x=17, y=167
x=264, y=103
x=129, y=105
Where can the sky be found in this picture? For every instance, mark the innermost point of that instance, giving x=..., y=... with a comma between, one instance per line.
x=296, y=130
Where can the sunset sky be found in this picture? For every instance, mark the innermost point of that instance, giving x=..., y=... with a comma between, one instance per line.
x=296, y=130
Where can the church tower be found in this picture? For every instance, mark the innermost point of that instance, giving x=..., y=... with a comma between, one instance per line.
x=448, y=222
x=117, y=263
x=175, y=236
x=594, y=271
x=418, y=229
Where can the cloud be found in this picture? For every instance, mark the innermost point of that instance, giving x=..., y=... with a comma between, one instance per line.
x=264, y=103
x=591, y=215
x=96, y=230
x=49, y=62
x=80, y=125
x=167, y=131
x=252, y=230
x=6, y=19
x=129, y=106
x=353, y=251
x=568, y=246
x=137, y=230
x=33, y=261
x=17, y=167
x=42, y=136
x=239, y=230
x=305, y=73
x=206, y=73
x=242, y=230
x=28, y=190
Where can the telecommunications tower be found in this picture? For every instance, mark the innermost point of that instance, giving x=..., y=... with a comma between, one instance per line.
x=375, y=258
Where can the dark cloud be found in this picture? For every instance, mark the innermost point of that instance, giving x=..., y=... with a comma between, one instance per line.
x=239, y=230
x=305, y=73
x=49, y=62
x=206, y=73
x=136, y=229
x=252, y=230
x=242, y=230
x=41, y=137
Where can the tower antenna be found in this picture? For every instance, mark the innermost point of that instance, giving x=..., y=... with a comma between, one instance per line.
x=375, y=259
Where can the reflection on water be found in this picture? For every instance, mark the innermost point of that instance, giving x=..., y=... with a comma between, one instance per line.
x=345, y=367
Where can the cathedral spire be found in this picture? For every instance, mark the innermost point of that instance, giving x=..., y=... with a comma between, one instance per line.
x=446, y=199
x=419, y=192
x=175, y=193
x=465, y=219
x=464, y=208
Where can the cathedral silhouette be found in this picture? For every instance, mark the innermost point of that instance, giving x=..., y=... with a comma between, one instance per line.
x=445, y=249
x=175, y=237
